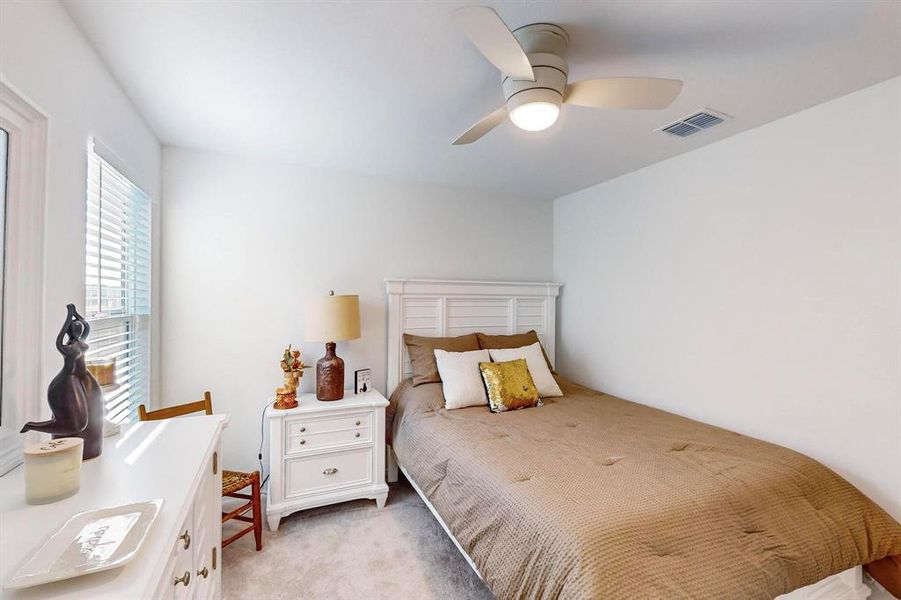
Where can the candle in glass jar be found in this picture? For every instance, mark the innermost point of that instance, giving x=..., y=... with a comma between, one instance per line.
x=103, y=370
x=52, y=470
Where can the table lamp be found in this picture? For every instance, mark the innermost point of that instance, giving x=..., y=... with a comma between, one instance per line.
x=332, y=319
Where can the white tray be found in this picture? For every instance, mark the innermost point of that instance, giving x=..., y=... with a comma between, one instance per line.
x=91, y=541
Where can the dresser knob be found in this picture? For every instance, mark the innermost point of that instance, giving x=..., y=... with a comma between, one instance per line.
x=302, y=442
x=357, y=434
x=330, y=471
x=185, y=579
x=358, y=423
x=302, y=429
x=186, y=538
x=203, y=573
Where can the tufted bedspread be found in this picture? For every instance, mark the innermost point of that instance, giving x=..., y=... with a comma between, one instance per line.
x=592, y=496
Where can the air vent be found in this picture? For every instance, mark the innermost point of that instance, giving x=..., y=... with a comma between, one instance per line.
x=694, y=123
x=680, y=129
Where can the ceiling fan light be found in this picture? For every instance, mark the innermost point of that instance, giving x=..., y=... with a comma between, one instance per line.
x=535, y=116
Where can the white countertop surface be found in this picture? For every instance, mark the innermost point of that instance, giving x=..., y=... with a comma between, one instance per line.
x=153, y=459
x=308, y=404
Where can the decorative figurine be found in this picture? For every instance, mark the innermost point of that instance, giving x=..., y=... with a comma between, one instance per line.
x=292, y=367
x=74, y=396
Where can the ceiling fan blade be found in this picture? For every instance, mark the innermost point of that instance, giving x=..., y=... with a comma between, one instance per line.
x=482, y=127
x=487, y=31
x=623, y=92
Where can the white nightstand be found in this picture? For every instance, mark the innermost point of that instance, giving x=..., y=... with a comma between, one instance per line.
x=326, y=452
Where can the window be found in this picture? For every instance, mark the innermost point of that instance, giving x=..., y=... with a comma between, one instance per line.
x=117, y=285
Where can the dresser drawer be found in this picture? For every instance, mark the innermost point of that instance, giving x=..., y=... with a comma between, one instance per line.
x=335, y=470
x=178, y=582
x=303, y=441
x=304, y=426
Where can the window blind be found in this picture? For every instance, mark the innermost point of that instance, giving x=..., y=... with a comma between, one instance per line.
x=117, y=285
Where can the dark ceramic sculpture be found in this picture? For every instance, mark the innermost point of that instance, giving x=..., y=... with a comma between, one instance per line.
x=75, y=398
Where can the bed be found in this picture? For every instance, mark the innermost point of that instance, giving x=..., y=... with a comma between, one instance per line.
x=592, y=496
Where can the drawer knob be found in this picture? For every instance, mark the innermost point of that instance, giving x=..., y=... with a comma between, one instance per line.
x=186, y=538
x=185, y=579
x=330, y=471
x=357, y=434
x=302, y=429
x=302, y=442
x=203, y=573
x=358, y=422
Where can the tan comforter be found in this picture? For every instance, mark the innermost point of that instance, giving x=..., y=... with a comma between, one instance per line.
x=592, y=496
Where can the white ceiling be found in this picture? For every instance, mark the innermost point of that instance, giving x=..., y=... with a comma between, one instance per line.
x=383, y=88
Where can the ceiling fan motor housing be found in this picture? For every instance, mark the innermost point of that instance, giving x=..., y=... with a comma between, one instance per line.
x=544, y=43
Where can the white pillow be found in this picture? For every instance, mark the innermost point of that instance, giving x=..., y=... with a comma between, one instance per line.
x=461, y=377
x=541, y=375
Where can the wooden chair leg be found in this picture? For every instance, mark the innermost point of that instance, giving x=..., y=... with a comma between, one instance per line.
x=888, y=573
x=257, y=511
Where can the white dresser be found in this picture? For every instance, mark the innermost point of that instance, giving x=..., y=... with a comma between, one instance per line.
x=326, y=452
x=177, y=460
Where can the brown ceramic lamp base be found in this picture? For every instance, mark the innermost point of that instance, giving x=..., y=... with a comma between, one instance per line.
x=330, y=375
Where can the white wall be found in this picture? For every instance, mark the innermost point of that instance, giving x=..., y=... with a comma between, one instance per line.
x=245, y=242
x=754, y=284
x=45, y=57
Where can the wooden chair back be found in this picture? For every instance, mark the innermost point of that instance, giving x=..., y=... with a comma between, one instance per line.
x=205, y=405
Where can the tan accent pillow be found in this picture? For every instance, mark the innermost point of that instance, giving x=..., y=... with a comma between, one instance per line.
x=422, y=353
x=517, y=340
x=509, y=385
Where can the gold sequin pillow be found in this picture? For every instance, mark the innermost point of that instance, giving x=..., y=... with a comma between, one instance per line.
x=509, y=384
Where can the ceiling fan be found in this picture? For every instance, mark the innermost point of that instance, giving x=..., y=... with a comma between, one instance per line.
x=534, y=76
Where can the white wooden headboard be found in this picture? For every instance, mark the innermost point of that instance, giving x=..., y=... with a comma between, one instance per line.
x=440, y=308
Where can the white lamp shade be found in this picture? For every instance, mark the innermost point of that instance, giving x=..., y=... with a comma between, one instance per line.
x=332, y=318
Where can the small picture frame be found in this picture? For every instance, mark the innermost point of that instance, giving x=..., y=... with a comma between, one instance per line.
x=362, y=381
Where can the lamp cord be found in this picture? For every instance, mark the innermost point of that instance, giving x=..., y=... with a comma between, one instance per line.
x=262, y=439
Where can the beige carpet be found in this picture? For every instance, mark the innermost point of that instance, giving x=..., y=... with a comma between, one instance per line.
x=349, y=551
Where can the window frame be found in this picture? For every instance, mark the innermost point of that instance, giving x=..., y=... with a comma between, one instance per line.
x=23, y=306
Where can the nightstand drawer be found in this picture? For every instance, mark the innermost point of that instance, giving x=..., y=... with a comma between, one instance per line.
x=303, y=441
x=335, y=470
x=303, y=426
